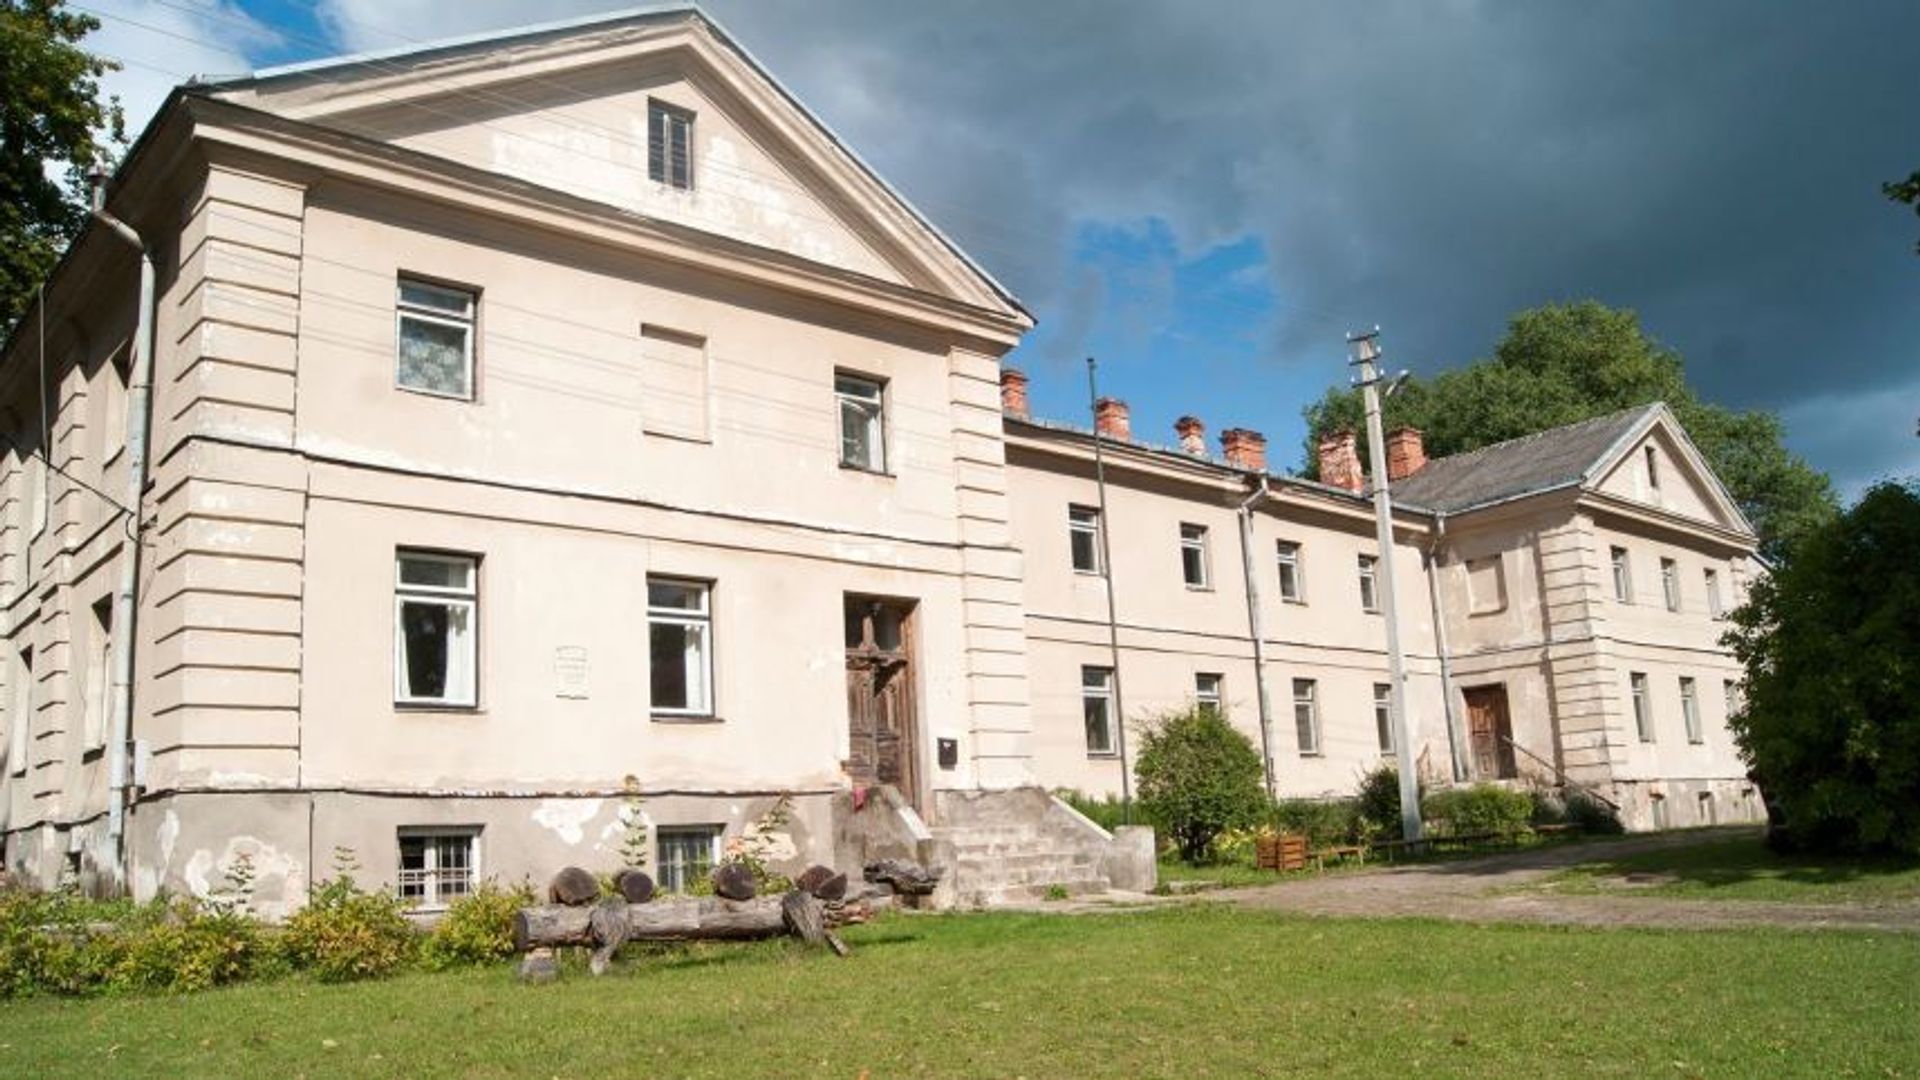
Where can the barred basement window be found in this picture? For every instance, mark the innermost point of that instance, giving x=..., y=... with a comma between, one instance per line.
x=438, y=866
x=1306, y=716
x=1292, y=586
x=669, y=146
x=435, y=640
x=680, y=646
x=687, y=855
x=435, y=339
x=1083, y=538
x=1096, y=703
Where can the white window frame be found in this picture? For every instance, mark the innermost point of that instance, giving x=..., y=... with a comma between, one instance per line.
x=1690, y=709
x=1101, y=692
x=1383, y=715
x=456, y=597
x=1670, y=582
x=868, y=395
x=99, y=666
x=662, y=116
x=1085, y=520
x=1210, y=691
x=1306, y=724
x=1642, y=693
x=1622, y=566
x=702, y=618
x=664, y=834
x=435, y=890
x=468, y=323
x=1193, y=539
x=1370, y=584
x=1716, y=604
x=1292, y=571
x=20, y=722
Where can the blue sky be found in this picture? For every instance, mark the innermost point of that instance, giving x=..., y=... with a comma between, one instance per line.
x=1208, y=195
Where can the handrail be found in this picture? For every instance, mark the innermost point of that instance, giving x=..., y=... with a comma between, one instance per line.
x=1564, y=778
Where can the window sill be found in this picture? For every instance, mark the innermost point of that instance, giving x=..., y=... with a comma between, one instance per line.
x=468, y=398
x=93, y=753
x=1088, y=573
x=1198, y=588
x=847, y=466
x=437, y=707
x=1311, y=754
x=685, y=718
x=1294, y=600
x=1102, y=755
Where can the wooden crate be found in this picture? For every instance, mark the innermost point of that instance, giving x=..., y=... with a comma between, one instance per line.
x=1286, y=851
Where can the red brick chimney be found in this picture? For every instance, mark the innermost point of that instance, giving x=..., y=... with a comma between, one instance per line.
x=1244, y=449
x=1406, y=452
x=1110, y=418
x=1013, y=392
x=1340, y=461
x=1193, y=435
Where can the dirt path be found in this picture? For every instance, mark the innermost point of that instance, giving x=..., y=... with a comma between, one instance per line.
x=1482, y=890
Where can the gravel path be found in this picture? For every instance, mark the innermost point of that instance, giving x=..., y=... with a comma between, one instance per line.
x=1484, y=890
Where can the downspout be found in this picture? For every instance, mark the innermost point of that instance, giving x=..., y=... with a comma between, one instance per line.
x=126, y=594
x=1255, y=627
x=1440, y=644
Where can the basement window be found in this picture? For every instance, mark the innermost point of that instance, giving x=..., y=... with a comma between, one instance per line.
x=438, y=866
x=436, y=616
x=670, y=146
x=435, y=339
x=687, y=855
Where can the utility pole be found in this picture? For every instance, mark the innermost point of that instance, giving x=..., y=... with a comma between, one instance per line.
x=1113, y=617
x=1366, y=356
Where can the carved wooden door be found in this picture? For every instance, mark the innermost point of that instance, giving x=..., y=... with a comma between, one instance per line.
x=880, y=698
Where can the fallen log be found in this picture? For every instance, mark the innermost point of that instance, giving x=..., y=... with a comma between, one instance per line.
x=669, y=919
x=573, y=886
x=904, y=877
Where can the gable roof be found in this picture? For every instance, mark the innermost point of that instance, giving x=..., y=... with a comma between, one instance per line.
x=1531, y=464
x=432, y=55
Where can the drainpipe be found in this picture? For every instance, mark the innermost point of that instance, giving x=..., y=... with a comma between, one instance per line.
x=1440, y=644
x=125, y=596
x=1258, y=631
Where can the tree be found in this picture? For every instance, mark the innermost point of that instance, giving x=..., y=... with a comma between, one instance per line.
x=1564, y=363
x=1831, y=644
x=50, y=112
x=1198, y=777
x=1905, y=191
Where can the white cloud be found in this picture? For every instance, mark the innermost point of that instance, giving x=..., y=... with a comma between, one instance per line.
x=163, y=44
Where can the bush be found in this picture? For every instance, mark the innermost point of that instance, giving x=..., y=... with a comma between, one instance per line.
x=346, y=933
x=190, y=947
x=1831, y=722
x=58, y=943
x=1592, y=816
x=1322, y=821
x=1107, y=811
x=477, y=928
x=1379, y=802
x=1482, y=808
x=1198, y=775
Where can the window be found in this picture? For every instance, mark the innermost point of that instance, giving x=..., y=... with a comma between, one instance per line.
x=99, y=649
x=687, y=854
x=1690, y=709
x=669, y=146
x=862, y=434
x=1292, y=585
x=1622, y=577
x=680, y=646
x=673, y=383
x=1659, y=804
x=1716, y=607
x=1306, y=717
x=38, y=478
x=436, y=616
x=438, y=866
x=1709, y=809
x=1642, y=706
x=1193, y=555
x=1383, y=715
x=1732, y=691
x=1670, y=583
x=118, y=377
x=1096, y=702
x=20, y=723
x=1083, y=536
x=1653, y=470
x=1486, y=585
x=1369, y=590
x=435, y=353
x=1207, y=691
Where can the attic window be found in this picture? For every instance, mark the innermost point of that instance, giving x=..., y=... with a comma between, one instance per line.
x=670, y=146
x=1653, y=470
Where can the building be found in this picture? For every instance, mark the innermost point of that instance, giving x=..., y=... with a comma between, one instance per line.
x=531, y=417
x=1561, y=599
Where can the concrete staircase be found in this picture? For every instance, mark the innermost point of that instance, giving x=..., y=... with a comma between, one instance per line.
x=1020, y=845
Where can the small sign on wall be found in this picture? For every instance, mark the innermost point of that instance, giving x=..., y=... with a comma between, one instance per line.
x=570, y=671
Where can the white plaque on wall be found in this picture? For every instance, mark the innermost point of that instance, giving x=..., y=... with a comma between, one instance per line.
x=570, y=671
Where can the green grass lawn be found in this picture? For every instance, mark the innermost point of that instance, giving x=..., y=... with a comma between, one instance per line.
x=1741, y=868
x=1196, y=991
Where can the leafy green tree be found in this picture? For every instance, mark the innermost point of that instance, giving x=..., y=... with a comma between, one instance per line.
x=1564, y=363
x=1906, y=191
x=1198, y=776
x=1831, y=645
x=51, y=111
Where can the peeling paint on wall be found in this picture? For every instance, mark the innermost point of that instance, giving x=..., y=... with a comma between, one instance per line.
x=567, y=818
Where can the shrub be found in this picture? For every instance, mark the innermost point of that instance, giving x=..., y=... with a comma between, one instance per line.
x=1321, y=821
x=477, y=928
x=1831, y=721
x=1108, y=811
x=58, y=943
x=346, y=933
x=186, y=946
x=1592, y=815
x=1379, y=801
x=1198, y=775
x=1482, y=808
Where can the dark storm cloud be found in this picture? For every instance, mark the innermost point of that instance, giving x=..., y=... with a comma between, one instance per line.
x=1433, y=167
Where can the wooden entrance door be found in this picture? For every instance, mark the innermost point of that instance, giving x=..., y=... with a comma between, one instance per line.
x=883, y=747
x=1490, y=732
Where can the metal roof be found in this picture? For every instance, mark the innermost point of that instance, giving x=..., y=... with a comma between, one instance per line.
x=1546, y=460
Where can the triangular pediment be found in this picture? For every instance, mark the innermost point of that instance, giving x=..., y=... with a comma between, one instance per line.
x=566, y=108
x=1656, y=464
